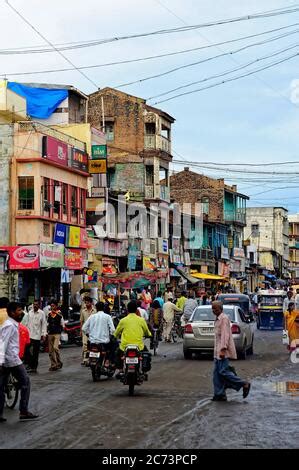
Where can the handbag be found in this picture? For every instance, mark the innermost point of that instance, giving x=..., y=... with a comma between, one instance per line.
x=285, y=337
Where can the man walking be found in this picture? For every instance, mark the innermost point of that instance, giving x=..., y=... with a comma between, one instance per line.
x=55, y=327
x=189, y=307
x=10, y=361
x=288, y=299
x=223, y=377
x=87, y=309
x=35, y=320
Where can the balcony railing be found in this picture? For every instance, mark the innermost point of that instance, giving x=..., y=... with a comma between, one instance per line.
x=157, y=142
x=238, y=215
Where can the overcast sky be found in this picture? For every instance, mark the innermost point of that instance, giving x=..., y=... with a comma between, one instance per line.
x=254, y=119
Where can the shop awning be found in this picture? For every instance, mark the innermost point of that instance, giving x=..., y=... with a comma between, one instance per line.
x=190, y=279
x=208, y=276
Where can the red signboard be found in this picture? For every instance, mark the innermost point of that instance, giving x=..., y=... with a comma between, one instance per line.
x=55, y=150
x=73, y=259
x=79, y=160
x=83, y=238
x=24, y=257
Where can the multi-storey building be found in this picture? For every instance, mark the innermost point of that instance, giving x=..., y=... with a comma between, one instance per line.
x=268, y=229
x=139, y=152
x=43, y=189
x=220, y=249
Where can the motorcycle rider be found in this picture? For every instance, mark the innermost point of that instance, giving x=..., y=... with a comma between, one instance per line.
x=99, y=328
x=132, y=329
x=87, y=310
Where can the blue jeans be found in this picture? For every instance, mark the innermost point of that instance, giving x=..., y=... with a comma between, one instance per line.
x=224, y=378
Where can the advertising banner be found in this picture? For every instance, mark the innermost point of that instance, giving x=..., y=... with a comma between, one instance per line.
x=73, y=237
x=60, y=234
x=79, y=160
x=55, y=150
x=51, y=256
x=95, y=204
x=24, y=257
x=83, y=238
x=132, y=257
x=148, y=264
x=73, y=259
x=238, y=253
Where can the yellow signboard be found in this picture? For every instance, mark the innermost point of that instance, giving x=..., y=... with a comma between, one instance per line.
x=74, y=237
x=97, y=166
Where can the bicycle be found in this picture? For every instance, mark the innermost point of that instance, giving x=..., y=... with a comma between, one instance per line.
x=177, y=330
x=155, y=340
x=11, y=392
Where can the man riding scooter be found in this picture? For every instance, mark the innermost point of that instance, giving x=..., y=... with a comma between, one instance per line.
x=132, y=330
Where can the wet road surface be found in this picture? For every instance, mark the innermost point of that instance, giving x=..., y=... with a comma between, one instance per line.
x=171, y=410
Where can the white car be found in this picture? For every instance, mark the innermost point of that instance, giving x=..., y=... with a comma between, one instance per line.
x=199, y=331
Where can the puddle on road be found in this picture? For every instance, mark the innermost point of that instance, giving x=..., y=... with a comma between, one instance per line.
x=285, y=388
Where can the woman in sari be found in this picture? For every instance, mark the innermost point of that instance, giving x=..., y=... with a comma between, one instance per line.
x=292, y=325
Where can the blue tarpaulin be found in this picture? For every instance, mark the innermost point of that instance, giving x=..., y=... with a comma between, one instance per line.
x=41, y=102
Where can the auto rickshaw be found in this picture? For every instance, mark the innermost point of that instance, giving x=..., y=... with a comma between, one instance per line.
x=242, y=300
x=270, y=308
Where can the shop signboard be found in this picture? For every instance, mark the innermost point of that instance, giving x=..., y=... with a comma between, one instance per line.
x=24, y=257
x=79, y=160
x=163, y=246
x=97, y=166
x=60, y=234
x=98, y=192
x=95, y=204
x=98, y=151
x=224, y=252
x=55, y=150
x=73, y=259
x=238, y=253
x=51, y=256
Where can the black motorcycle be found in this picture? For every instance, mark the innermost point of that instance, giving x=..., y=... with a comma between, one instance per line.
x=136, y=364
x=71, y=333
x=99, y=362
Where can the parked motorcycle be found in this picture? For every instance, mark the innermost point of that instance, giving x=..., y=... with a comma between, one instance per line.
x=71, y=333
x=98, y=361
x=136, y=364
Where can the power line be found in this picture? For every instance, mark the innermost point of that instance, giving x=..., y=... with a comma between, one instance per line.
x=268, y=14
x=50, y=44
x=228, y=80
x=158, y=56
x=278, y=93
x=202, y=61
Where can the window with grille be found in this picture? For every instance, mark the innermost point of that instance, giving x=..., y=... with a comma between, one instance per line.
x=109, y=130
x=74, y=205
x=26, y=192
x=64, y=198
x=205, y=205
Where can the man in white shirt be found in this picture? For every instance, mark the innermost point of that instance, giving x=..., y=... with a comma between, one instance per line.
x=169, y=310
x=142, y=312
x=10, y=361
x=99, y=328
x=35, y=320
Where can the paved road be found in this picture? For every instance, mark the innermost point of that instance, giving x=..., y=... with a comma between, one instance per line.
x=171, y=410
